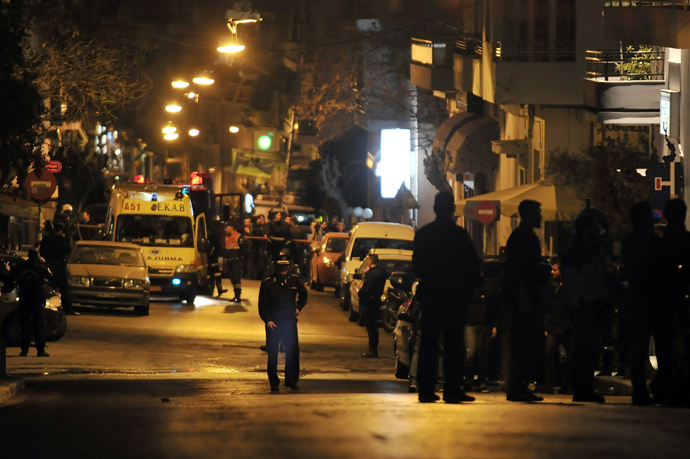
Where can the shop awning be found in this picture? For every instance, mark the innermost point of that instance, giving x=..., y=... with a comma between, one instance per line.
x=467, y=137
x=25, y=208
x=558, y=203
x=255, y=163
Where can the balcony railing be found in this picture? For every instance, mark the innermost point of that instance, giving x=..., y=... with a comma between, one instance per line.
x=535, y=51
x=625, y=65
x=677, y=4
x=470, y=44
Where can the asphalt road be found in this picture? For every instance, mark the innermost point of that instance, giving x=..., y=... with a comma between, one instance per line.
x=189, y=381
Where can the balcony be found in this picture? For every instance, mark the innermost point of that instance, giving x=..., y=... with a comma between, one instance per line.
x=624, y=81
x=432, y=64
x=658, y=23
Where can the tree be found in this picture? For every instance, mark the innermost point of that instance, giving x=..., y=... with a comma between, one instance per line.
x=22, y=105
x=59, y=54
x=606, y=174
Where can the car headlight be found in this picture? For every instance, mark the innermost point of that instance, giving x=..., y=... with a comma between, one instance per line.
x=134, y=283
x=185, y=269
x=53, y=303
x=79, y=281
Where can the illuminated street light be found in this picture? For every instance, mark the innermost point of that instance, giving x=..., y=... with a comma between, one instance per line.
x=193, y=132
x=173, y=108
x=234, y=129
x=171, y=136
x=180, y=84
x=203, y=80
x=169, y=129
x=232, y=47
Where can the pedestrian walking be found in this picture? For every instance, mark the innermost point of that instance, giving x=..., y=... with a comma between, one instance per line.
x=589, y=299
x=638, y=253
x=447, y=264
x=55, y=249
x=370, y=298
x=282, y=296
x=524, y=283
x=29, y=277
x=233, y=254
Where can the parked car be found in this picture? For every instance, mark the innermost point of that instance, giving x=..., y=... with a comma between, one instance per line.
x=109, y=274
x=392, y=260
x=54, y=320
x=406, y=333
x=364, y=237
x=324, y=261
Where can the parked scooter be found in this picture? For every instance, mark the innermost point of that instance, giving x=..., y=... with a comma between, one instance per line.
x=401, y=290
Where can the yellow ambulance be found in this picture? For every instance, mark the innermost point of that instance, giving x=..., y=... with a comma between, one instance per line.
x=160, y=219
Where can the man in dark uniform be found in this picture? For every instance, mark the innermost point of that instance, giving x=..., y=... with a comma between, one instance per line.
x=29, y=277
x=282, y=296
x=522, y=289
x=370, y=300
x=213, y=260
x=449, y=271
x=233, y=254
x=55, y=250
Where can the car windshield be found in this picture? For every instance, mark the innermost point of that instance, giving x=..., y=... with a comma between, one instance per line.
x=336, y=245
x=363, y=245
x=106, y=255
x=150, y=230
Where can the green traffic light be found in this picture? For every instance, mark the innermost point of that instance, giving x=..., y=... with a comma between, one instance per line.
x=264, y=142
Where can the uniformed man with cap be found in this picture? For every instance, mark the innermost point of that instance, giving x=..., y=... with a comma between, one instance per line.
x=282, y=296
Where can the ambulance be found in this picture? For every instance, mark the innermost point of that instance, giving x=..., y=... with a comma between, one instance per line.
x=161, y=220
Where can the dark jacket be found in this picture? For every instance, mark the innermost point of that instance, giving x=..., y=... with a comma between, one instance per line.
x=525, y=275
x=55, y=249
x=29, y=278
x=446, y=262
x=372, y=287
x=278, y=300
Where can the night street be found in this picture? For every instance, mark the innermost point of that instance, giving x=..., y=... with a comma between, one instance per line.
x=190, y=382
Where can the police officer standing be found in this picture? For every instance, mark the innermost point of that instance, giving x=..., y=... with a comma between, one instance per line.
x=282, y=296
x=55, y=249
x=29, y=278
x=370, y=298
x=233, y=254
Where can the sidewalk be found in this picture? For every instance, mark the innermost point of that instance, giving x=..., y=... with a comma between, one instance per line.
x=9, y=387
x=613, y=385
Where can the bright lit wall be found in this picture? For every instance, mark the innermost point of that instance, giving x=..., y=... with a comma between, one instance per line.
x=394, y=166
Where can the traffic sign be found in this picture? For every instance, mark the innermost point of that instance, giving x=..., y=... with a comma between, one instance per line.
x=41, y=187
x=486, y=212
x=54, y=166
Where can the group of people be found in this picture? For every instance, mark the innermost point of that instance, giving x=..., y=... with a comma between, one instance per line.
x=541, y=305
x=247, y=249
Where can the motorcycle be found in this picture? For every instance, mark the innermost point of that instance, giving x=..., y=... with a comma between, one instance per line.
x=401, y=290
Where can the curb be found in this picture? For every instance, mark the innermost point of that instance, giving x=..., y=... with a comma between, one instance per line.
x=612, y=385
x=10, y=387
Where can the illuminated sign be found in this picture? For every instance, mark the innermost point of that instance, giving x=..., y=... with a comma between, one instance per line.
x=394, y=166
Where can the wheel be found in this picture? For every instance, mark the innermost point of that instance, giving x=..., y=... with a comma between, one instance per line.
x=190, y=296
x=143, y=310
x=11, y=330
x=402, y=371
x=389, y=320
x=353, y=316
x=208, y=287
x=62, y=329
x=316, y=285
x=344, y=298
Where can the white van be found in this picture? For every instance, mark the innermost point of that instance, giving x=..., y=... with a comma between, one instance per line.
x=364, y=237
